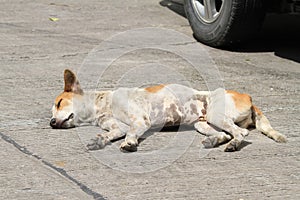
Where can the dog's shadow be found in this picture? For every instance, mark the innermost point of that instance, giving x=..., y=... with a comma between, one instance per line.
x=176, y=129
x=150, y=132
x=243, y=145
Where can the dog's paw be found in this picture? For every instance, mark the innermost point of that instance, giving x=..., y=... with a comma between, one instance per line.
x=96, y=143
x=280, y=138
x=233, y=145
x=210, y=142
x=128, y=146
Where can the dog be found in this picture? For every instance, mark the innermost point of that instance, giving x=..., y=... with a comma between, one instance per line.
x=223, y=116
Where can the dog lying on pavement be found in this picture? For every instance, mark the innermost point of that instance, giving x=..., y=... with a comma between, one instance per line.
x=223, y=116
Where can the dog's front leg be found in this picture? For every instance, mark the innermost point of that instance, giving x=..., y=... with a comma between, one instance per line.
x=131, y=139
x=101, y=140
x=214, y=136
x=138, y=128
x=116, y=129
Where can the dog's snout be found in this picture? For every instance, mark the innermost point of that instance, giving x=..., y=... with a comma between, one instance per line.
x=53, y=122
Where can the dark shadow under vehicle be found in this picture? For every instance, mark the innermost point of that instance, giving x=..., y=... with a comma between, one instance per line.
x=276, y=30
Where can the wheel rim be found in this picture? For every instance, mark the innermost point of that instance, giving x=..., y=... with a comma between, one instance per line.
x=207, y=10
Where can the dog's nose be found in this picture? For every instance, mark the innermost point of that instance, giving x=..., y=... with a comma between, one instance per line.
x=53, y=122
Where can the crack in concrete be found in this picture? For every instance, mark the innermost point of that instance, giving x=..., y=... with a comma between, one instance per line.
x=61, y=171
x=184, y=43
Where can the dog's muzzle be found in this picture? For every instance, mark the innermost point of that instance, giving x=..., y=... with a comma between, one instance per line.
x=54, y=123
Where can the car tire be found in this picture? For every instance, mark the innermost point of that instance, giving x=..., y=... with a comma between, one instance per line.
x=224, y=22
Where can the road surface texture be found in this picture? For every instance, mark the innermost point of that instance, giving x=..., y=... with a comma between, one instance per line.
x=39, y=39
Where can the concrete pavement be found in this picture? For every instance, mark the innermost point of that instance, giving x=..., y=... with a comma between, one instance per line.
x=38, y=162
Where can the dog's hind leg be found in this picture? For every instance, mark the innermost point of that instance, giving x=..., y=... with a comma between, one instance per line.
x=224, y=109
x=214, y=136
x=238, y=133
x=262, y=124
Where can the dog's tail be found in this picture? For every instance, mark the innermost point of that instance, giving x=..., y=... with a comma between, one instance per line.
x=262, y=124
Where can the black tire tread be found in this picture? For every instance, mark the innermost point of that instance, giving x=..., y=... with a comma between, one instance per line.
x=245, y=19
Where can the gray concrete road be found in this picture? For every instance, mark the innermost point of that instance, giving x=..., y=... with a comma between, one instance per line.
x=38, y=162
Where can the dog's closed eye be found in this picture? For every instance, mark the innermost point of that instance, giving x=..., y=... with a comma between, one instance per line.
x=58, y=104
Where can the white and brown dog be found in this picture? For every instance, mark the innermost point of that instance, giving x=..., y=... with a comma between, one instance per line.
x=222, y=115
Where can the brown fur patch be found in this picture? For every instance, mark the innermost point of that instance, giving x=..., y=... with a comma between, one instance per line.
x=204, y=107
x=256, y=109
x=242, y=101
x=174, y=114
x=61, y=100
x=194, y=109
x=203, y=99
x=154, y=89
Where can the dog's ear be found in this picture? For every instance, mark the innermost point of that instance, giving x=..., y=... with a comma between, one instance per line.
x=71, y=82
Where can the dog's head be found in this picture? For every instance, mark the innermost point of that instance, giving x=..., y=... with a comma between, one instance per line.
x=63, y=113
